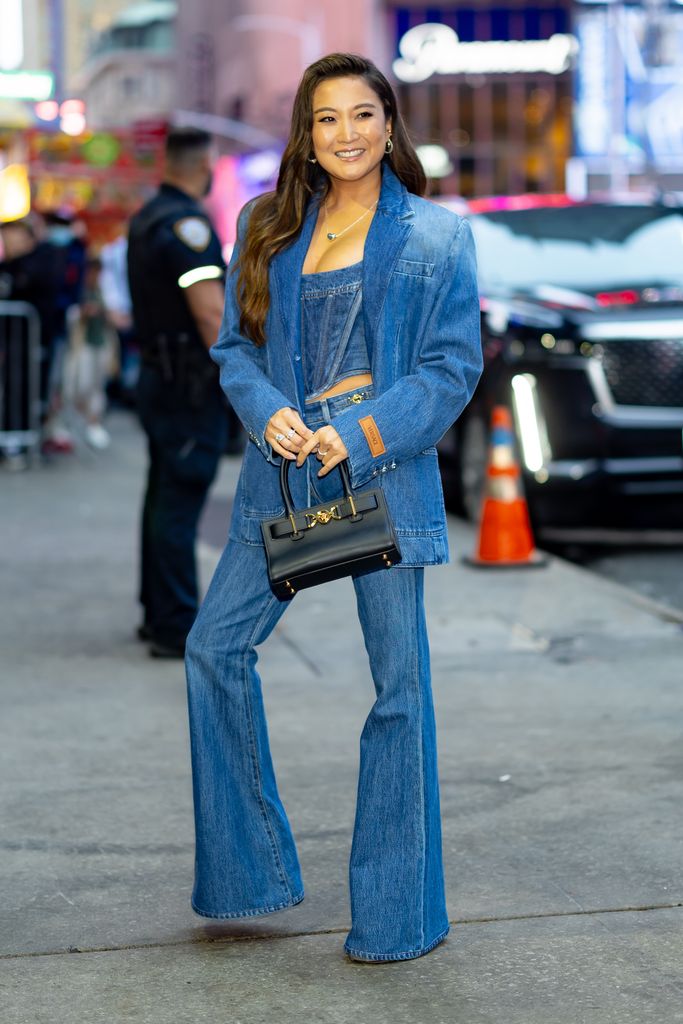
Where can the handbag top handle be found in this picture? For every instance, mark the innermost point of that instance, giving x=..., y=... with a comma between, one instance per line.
x=287, y=494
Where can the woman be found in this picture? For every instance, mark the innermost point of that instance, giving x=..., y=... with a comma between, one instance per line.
x=351, y=331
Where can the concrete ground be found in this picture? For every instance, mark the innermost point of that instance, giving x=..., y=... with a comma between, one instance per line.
x=560, y=716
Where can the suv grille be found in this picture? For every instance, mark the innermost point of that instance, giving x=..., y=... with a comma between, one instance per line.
x=644, y=372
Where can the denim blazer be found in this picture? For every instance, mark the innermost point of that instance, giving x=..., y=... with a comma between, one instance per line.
x=421, y=316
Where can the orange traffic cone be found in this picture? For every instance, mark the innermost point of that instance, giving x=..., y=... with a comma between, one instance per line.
x=505, y=537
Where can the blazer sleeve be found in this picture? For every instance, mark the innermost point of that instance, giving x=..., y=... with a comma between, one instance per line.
x=242, y=365
x=418, y=409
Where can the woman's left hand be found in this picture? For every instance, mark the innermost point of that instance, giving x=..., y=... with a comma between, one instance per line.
x=328, y=447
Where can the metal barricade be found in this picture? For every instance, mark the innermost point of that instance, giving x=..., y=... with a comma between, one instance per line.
x=20, y=357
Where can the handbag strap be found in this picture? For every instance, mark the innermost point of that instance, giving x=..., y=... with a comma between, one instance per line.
x=300, y=522
x=287, y=494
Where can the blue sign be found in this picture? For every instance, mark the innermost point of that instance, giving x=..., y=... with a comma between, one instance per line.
x=482, y=23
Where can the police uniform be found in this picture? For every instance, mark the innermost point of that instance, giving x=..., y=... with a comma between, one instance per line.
x=172, y=245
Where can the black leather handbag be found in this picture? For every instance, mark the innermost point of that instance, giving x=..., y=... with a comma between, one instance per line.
x=351, y=535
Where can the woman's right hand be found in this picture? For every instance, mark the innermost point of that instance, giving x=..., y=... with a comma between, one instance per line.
x=286, y=432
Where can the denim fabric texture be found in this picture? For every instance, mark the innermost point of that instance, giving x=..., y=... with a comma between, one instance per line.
x=246, y=860
x=332, y=335
x=421, y=326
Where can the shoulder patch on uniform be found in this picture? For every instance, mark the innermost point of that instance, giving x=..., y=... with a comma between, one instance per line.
x=194, y=232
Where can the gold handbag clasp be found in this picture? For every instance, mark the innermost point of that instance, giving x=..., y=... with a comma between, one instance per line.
x=322, y=516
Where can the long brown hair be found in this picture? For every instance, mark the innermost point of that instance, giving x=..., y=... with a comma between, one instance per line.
x=276, y=217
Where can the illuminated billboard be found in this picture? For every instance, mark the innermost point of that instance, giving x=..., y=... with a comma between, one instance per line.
x=629, y=84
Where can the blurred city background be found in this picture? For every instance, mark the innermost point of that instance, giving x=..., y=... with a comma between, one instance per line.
x=556, y=127
x=553, y=97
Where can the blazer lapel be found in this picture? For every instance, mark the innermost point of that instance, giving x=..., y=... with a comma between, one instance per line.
x=387, y=236
x=285, y=296
x=286, y=271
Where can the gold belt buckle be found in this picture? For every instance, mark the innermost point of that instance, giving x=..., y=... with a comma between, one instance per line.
x=356, y=399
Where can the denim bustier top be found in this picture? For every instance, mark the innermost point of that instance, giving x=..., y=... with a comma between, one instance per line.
x=333, y=342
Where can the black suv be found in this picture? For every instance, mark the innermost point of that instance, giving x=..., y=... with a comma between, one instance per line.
x=582, y=328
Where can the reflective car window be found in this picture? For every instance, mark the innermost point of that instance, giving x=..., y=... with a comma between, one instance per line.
x=589, y=248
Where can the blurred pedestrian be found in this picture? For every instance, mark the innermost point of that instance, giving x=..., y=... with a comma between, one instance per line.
x=351, y=332
x=175, y=272
x=92, y=345
x=116, y=295
x=66, y=236
x=28, y=274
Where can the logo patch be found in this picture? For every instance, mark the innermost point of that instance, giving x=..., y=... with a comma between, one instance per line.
x=194, y=232
x=372, y=436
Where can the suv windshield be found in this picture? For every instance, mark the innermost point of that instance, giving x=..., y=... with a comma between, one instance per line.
x=590, y=247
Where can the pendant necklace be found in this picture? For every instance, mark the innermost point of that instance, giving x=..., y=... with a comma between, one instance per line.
x=337, y=234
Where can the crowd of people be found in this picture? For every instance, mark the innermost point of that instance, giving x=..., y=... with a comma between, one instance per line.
x=86, y=342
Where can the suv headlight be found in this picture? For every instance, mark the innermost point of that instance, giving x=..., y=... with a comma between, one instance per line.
x=533, y=436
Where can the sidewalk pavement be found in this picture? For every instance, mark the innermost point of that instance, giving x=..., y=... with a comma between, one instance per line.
x=559, y=708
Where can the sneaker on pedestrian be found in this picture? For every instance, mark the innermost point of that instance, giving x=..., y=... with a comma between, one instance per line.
x=57, y=440
x=97, y=436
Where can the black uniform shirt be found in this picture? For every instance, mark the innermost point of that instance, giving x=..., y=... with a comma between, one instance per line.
x=172, y=245
x=33, y=278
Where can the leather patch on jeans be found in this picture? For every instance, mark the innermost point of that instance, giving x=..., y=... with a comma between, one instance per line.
x=372, y=436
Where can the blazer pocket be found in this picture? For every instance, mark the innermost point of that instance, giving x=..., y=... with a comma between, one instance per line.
x=258, y=488
x=414, y=268
x=414, y=496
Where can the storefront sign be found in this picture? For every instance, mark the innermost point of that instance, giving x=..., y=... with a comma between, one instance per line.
x=436, y=49
x=101, y=150
x=26, y=85
x=103, y=178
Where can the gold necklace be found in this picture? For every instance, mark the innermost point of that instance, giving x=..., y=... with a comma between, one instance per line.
x=331, y=235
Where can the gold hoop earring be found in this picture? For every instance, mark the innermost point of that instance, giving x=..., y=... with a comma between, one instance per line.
x=312, y=160
x=389, y=148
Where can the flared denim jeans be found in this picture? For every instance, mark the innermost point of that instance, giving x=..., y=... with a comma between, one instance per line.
x=246, y=859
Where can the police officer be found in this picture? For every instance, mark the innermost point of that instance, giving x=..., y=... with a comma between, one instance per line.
x=176, y=273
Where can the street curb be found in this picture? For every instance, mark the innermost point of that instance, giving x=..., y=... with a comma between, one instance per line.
x=661, y=610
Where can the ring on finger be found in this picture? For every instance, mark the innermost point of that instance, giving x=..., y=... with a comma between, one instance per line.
x=279, y=438
x=290, y=433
